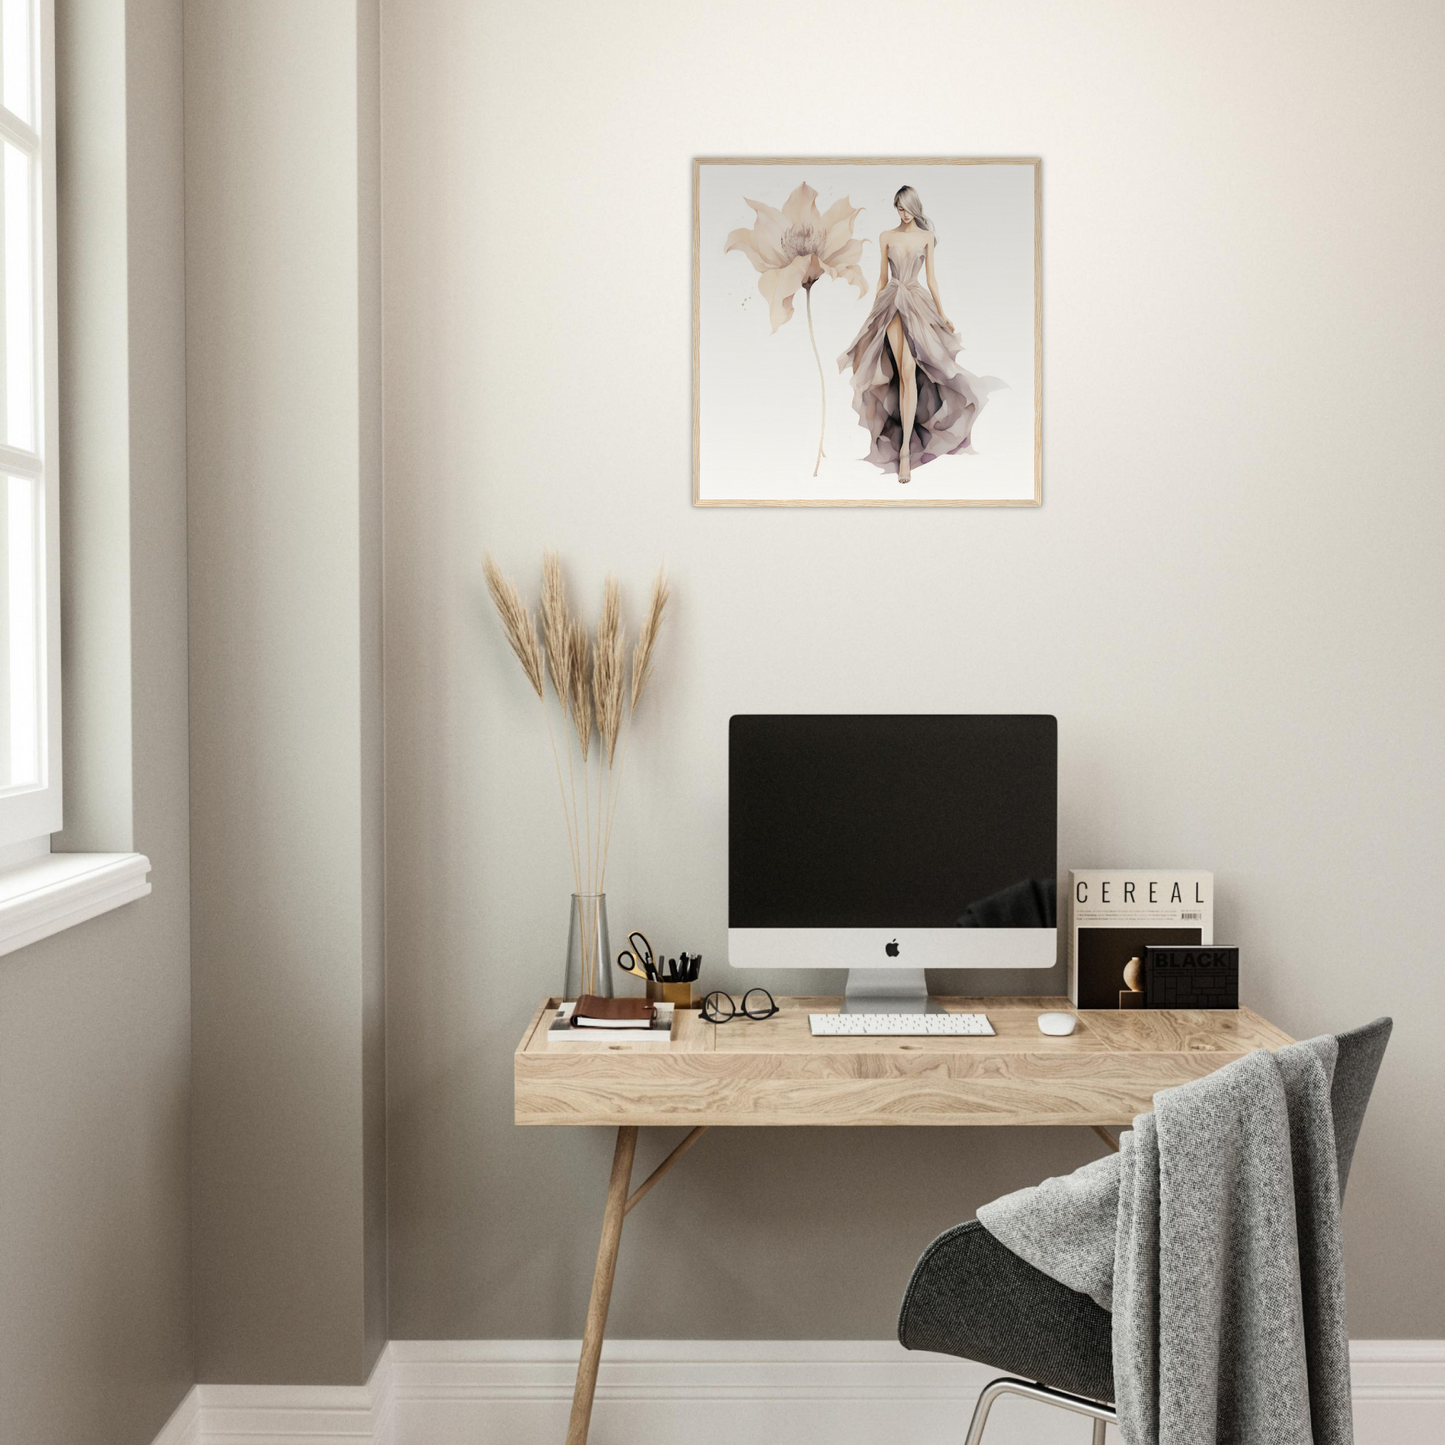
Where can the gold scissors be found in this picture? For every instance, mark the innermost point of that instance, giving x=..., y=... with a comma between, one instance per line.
x=637, y=958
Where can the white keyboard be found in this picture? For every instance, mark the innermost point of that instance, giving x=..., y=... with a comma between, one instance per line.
x=911, y=1026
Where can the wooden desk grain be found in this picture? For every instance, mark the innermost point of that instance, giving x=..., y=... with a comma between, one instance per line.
x=774, y=1072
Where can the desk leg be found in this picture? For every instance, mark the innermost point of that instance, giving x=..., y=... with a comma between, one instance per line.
x=612, y=1216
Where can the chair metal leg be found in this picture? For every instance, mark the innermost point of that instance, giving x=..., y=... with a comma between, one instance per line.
x=980, y=1411
x=1099, y=1413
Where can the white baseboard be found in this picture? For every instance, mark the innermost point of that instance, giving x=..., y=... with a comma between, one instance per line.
x=712, y=1392
x=288, y=1414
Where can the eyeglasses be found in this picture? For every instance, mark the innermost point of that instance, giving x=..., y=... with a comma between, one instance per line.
x=719, y=1008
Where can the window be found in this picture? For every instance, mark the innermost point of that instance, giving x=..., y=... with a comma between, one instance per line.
x=41, y=892
x=30, y=798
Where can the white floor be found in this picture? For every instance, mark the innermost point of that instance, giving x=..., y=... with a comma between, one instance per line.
x=716, y=1392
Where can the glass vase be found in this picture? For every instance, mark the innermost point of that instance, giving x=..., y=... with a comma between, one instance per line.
x=589, y=953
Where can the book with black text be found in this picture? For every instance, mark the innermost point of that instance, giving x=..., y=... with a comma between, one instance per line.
x=1114, y=913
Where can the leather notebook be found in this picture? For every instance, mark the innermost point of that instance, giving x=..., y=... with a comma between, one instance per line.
x=612, y=1013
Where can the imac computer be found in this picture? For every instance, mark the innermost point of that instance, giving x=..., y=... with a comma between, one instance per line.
x=890, y=844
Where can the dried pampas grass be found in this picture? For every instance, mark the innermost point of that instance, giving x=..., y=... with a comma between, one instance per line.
x=647, y=636
x=579, y=685
x=516, y=622
x=589, y=682
x=609, y=673
x=556, y=635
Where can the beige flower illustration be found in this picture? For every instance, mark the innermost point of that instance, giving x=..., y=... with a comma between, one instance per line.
x=795, y=247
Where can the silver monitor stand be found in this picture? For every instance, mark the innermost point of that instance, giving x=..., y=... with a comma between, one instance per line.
x=887, y=991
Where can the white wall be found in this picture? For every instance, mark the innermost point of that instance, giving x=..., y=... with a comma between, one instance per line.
x=1231, y=597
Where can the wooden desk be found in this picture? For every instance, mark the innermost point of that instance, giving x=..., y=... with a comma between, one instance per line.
x=773, y=1072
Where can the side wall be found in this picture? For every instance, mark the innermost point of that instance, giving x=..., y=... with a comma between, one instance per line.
x=1231, y=596
x=282, y=320
x=95, y=1309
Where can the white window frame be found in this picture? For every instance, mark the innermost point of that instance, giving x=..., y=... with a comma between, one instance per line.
x=29, y=815
x=42, y=892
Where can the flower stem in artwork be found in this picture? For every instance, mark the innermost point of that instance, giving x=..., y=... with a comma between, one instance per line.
x=796, y=246
x=822, y=385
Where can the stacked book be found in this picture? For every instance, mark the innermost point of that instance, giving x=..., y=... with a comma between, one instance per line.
x=611, y=1021
x=1117, y=914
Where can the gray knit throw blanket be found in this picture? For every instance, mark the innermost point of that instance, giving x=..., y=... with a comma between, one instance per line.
x=1214, y=1237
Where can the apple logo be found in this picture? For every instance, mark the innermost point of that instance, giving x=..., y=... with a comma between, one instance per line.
x=891, y=949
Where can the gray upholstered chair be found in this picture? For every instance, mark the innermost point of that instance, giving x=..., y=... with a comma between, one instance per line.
x=972, y=1297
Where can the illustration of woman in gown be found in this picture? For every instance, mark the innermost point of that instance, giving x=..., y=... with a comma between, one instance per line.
x=907, y=382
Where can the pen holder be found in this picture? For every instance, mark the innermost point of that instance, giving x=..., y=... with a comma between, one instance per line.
x=679, y=994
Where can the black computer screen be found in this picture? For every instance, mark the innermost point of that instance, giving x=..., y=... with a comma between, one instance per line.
x=918, y=821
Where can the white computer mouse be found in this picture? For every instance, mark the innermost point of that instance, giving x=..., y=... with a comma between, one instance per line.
x=1057, y=1023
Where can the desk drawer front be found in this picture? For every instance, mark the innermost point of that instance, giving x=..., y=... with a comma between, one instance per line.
x=901, y=1088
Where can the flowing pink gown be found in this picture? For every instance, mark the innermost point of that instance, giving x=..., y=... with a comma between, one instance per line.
x=949, y=398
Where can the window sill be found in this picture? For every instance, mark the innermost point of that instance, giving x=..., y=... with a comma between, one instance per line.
x=59, y=890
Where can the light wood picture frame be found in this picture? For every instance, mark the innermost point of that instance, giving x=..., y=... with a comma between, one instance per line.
x=800, y=400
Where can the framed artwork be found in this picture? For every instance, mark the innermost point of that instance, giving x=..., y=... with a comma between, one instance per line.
x=841, y=306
